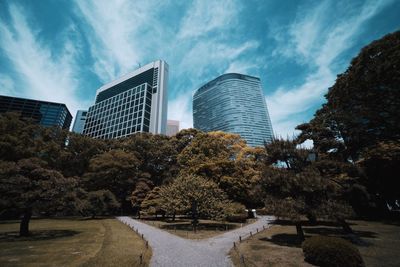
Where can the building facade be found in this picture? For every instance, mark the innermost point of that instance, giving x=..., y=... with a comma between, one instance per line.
x=136, y=102
x=233, y=103
x=172, y=127
x=43, y=112
x=79, y=122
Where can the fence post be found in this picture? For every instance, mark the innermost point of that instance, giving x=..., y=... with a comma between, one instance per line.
x=142, y=236
x=141, y=258
x=240, y=239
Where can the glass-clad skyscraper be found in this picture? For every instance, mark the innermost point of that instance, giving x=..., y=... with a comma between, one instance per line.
x=233, y=103
x=79, y=121
x=43, y=112
x=136, y=102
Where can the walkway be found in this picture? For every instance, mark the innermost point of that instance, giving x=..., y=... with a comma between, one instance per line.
x=173, y=251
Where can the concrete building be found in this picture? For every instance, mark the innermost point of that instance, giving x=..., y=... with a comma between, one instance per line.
x=136, y=102
x=233, y=103
x=79, y=122
x=172, y=127
x=43, y=112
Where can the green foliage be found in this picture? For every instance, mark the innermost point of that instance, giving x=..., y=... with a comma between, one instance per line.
x=156, y=154
x=362, y=106
x=28, y=186
x=152, y=204
x=381, y=166
x=101, y=202
x=116, y=171
x=225, y=159
x=294, y=187
x=360, y=122
x=331, y=252
x=177, y=197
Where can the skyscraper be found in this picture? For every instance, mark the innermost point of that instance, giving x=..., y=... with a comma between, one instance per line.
x=136, y=102
x=172, y=127
x=79, y=122
x=43, y=112
x=233, y=103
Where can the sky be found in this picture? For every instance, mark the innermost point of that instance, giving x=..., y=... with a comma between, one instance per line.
x=63, y=51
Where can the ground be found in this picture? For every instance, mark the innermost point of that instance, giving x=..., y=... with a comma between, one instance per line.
x=378, y=243
x=72, y=242
x=205, y=229
x=171, y=250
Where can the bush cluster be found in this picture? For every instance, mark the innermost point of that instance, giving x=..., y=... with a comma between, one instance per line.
x=331, y=252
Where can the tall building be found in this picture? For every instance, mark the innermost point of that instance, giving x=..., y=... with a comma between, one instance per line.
x=172, y=127
x=233, y=103
x=43, y=112
x=79, y=122
x=136, y=102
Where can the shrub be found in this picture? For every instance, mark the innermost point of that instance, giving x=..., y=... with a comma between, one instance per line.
x=331, y=252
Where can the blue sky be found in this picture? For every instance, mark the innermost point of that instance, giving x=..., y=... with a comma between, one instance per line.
x=65, y=50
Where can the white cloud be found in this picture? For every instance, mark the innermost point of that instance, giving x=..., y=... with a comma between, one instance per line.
x=181, y=109
x=313, y=43
x=46, y=76
x=205, y=16
x=120, y=34
x=212, y=54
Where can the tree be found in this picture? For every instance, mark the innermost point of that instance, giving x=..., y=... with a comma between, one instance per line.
x=28, y=187
x=381, y=167
x=362, y=106
x=152, y=204
x=100, y=202
x=142, y=188
x=361, y=114
x=293, y=186
x=116, y=171
x=156, y=154
x=78, y=152
x=179, y=196
x=17, y=137
x=220, y=157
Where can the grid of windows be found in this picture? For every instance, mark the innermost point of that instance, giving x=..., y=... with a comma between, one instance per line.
x=120, y=115
x=233, y=103
x=45, y=113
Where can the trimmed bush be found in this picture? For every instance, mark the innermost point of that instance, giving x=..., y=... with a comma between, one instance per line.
x=331, y=252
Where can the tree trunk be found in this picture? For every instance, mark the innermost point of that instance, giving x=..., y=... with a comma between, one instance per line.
x=346, y=227
x=299, y=230
x=24, y=226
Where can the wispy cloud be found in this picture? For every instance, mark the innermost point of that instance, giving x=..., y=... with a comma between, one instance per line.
x=119, y=34
x=315, y=39
x=45, y=75
x=206, y=16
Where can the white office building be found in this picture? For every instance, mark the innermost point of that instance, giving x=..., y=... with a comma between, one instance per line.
x=136, y=102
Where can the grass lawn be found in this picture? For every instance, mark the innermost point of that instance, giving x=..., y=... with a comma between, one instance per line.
x=278, y=246
x=205, y=229
x=71, y=242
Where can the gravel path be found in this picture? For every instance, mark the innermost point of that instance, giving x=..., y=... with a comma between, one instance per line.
x=173, y=251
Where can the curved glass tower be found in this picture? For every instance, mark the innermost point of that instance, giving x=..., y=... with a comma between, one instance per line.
x=233, y=103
